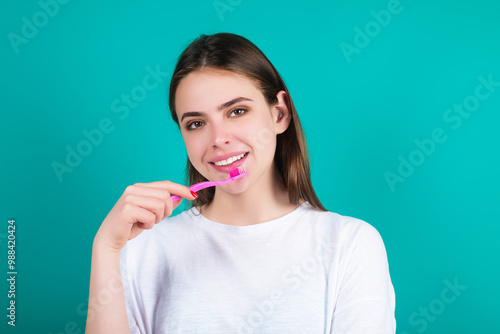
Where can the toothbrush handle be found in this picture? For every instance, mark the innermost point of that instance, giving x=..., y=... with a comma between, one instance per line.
x=202, y=185
x=199, y=186
x=175, y=198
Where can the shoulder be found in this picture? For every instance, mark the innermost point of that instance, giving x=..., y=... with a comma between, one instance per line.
x=340, y=223
x=352, y=243
x=342, y=229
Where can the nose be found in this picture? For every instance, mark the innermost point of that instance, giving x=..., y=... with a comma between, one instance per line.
x=220, y=134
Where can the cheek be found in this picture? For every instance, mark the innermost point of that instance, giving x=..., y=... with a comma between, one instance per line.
x=193, y=149
x=262, y=137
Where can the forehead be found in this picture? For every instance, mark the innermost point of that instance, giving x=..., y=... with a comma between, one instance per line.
x=205, y=90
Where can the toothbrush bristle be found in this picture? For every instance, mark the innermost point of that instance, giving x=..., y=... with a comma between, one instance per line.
x=236, y=171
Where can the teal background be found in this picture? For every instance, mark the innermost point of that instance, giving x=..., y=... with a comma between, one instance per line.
x=360, y=114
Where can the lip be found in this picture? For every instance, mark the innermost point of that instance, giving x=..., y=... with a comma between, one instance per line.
x=236, y=164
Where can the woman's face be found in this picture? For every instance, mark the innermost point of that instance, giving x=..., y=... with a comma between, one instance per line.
x=221, y=115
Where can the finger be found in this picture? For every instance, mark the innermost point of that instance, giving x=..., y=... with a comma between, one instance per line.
x=139, y=189
x=155, y=205
x=150, y=192
x=172, y=187
x=176, y=203
x=143, y=218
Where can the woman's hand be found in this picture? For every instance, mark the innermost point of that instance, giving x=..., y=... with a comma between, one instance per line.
x=140, y=207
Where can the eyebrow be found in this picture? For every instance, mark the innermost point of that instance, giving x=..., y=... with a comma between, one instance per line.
x=225, y=105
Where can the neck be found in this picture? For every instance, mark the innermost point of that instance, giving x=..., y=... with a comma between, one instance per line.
x=265, y=200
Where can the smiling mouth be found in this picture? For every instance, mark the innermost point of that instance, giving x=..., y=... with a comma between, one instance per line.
x=229, y=161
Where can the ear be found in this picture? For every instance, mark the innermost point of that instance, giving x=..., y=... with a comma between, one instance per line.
x=281, y=112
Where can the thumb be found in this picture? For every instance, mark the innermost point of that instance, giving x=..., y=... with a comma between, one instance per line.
x=186, y=193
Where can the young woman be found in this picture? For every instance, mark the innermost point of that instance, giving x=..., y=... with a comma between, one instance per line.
x=257, y=255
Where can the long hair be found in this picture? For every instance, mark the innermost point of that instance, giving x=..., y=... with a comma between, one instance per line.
x=234, y=53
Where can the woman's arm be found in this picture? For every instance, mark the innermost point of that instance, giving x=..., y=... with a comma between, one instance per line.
x=107, y=311
x=366, y=299
x=140, y=207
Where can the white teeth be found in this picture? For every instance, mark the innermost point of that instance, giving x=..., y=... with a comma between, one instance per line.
x=229, y=161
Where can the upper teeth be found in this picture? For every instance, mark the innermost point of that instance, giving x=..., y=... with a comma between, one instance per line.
x=229, y=161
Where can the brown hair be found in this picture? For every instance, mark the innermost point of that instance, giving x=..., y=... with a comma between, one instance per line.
x=234, y=53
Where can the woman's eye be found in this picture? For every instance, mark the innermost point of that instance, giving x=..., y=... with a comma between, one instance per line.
x=238, y=111
x=190, y=127
x=196, y=124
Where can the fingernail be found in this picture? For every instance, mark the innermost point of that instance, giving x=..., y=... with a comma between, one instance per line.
x=195, y=195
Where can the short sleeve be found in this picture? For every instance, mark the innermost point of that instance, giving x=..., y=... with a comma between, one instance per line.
x=366, y=298
x=135, y=321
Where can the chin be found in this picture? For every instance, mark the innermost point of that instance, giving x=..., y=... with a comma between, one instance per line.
x=234, y=187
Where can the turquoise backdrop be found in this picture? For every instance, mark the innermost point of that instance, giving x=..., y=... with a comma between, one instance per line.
x=400, y=102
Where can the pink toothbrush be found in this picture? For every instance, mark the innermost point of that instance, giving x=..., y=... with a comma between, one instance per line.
x=234, y=174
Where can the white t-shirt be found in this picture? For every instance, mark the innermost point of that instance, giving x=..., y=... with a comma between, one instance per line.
x=308, y=271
